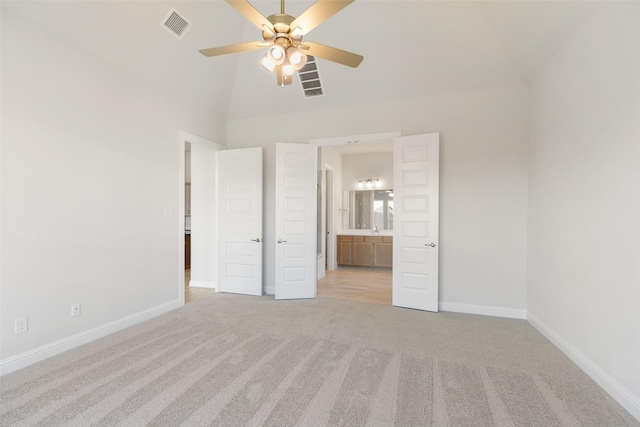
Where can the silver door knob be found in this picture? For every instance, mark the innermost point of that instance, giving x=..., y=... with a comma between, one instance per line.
x=433, y=245
x=256, y=240
x=282, y=241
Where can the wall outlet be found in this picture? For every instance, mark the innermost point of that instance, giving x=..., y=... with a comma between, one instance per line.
x=22, y=325
x=75, y=310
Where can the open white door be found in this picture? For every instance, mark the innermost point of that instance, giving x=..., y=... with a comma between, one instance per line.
x=416, y=173
x=296, y=203
x=240, y=196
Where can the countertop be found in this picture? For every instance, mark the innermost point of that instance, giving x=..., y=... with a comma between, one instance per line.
x=365, y=233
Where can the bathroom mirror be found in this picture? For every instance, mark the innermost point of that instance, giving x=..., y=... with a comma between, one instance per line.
x=370, y=209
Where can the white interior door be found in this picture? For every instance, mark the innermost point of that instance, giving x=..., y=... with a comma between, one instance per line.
x=240, y=196
x=296, y=224
x=416, y=173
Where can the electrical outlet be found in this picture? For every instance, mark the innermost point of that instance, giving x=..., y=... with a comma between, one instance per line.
x=22, y=325
x=75, y=310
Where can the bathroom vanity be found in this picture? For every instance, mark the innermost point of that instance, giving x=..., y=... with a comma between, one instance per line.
x=365, y=251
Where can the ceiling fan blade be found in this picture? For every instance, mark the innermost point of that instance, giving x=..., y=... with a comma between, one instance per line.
x=251, y=13
x=333, y=54
x=317, y=13
x=232, y=48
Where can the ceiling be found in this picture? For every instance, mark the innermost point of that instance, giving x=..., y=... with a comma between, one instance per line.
x=411, y=48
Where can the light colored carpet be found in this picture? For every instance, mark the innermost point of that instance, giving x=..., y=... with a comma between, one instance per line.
x=233, y=360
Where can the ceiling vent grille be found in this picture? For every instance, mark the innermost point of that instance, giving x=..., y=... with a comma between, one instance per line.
x=310, y=78
x=176, y=24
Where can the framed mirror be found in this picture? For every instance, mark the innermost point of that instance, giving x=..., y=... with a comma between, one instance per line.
x=371, y=208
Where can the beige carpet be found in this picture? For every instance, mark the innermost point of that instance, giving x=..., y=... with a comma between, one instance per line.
x=235, y=360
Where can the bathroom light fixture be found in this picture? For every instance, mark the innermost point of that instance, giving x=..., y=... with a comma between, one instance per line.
x=369, y=182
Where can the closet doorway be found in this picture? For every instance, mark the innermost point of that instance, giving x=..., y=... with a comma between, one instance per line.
x=196, y=217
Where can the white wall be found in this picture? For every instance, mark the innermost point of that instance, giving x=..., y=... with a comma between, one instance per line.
x=584, y=216
x=90, y=177
x=187, y=165
x=483, y=182
x=367, y=165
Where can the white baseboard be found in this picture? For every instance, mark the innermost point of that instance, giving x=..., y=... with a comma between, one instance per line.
x=30, y=357
x=622, y=395
x=483, y=310
x=270, y=290
x=203, y=284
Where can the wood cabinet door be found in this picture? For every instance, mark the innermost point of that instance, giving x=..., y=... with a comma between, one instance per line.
x=187, y=251
x=362, y=253
x=344, y=253
x=383, y=254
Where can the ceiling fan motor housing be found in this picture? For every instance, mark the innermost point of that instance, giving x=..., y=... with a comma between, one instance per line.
x=283, y=32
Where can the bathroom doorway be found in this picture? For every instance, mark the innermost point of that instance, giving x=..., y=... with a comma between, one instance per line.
x=345, y=161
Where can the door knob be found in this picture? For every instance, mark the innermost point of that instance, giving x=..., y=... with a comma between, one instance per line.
x=282, y=241
x=433, y=245
x=256, y=240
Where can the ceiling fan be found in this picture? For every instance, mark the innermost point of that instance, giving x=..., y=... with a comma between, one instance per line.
x=282, y=35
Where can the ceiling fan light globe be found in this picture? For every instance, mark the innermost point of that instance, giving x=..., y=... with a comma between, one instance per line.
x=288, y=69
x=301, y=63
x=297, y=58
x=276, y=53
x=267, y=63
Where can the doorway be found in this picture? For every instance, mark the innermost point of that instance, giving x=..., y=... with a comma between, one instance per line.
x=349, y=282
x=196, y=217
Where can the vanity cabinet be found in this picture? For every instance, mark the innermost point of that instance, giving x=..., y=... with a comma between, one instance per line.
x=365, y=251
x=187, y=251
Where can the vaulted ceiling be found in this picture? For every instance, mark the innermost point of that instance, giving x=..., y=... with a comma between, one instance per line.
x=411, y=48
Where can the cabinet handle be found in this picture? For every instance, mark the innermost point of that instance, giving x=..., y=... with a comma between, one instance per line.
x=433, y=245
x=256, y=240
x=282, y=241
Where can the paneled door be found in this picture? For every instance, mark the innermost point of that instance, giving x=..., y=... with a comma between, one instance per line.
x=240, y=198
x=296, y=223
x=416, y=172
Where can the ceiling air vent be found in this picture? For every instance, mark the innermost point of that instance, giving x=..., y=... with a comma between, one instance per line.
x=176, y=24
x=310, y=78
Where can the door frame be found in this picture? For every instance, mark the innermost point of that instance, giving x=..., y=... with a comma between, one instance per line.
x=185, y=137
x=329, y=233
